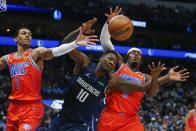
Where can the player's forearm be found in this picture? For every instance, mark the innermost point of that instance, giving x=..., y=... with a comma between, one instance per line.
x=164, y=79
x=154, y=88
x=128, y=87
x=105, y=38
x=71, y=36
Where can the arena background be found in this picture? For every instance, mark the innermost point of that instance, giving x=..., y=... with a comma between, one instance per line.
x=168, y=25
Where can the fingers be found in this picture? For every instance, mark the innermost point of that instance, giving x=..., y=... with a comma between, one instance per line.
x=153, y=66
x=119, y=11
x=91, y=36
x=164, y=68
x=115, y=11
x=92, y=43
x=150, y=67
x=182, y=71
x=106, y=15
x=111, y=11
x=95, y=40
x=176, y=67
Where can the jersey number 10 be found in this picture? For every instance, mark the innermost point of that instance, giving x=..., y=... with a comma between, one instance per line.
x=82, y=95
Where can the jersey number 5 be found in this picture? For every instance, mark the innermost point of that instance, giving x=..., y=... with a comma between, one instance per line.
x=82, y=95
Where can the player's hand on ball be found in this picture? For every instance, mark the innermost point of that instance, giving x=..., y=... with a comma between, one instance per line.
x=155, y=71
x=181, y=75
x=86, y=27
x=113, y=14
x=83, y=40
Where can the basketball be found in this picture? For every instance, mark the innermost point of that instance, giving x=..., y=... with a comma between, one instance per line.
x=120, y=28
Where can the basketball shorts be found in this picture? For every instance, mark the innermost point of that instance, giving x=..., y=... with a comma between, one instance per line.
x=112, y=121
x=24, y=116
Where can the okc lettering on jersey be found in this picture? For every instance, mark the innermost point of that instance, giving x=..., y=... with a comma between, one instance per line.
x=88, y=87
x=130, y=78
x=18, y=69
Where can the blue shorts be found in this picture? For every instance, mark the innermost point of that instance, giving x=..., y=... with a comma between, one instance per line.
x=64, y=124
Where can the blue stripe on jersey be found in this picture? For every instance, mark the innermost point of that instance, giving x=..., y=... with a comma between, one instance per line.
x=32, y=62
x=118, y=68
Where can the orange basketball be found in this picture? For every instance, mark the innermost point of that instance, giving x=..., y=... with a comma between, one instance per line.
x=120, y=28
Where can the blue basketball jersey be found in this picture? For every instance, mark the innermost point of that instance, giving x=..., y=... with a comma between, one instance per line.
x=85, y=94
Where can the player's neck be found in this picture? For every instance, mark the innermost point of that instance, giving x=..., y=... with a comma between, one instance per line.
x=132, y=67
x=22, y=50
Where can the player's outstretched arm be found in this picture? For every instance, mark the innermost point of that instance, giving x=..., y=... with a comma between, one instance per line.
x=47, y=54
x=173, y=75
x=188, y=116
x=153, y=79
x=105, y=35
x=3, y=62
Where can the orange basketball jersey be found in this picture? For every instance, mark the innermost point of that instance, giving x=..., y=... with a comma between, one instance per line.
x=192, y=121
x=126, y=103
x=26, y=77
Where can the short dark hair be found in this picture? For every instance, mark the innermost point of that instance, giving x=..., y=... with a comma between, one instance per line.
x=114, y=52
x=18, y=30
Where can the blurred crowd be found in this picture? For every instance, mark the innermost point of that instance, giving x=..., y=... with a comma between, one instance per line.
x=165, y=112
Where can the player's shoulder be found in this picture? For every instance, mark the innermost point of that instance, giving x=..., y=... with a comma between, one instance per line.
x=192, y=111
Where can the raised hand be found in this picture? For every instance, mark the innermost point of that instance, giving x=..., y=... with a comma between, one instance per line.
x=181, y=75
x=83, y=40
x=86, y=27
x=155, y=71
x=113, y=14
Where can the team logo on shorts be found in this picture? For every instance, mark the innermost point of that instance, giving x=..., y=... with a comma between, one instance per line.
x=27, y=127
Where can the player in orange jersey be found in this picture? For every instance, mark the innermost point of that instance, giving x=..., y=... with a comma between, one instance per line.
x=190, y=119
x=120, y=113
x=26, y=110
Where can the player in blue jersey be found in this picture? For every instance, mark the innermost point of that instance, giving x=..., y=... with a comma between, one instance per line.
x=88, y=88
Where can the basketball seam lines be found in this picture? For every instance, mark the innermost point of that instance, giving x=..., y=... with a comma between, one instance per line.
x=120, y=27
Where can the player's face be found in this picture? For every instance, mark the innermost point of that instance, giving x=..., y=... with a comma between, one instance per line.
x=108, y=62
x=24, y=37
x=135, y=56
x=195, y=105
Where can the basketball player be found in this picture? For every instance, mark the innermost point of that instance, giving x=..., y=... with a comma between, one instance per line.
x=26, y=110
x=190, y=119
x=88, y=86
x=120, y=113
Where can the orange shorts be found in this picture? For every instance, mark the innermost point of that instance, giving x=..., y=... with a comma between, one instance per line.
x=112, y=121
x=24, y=116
